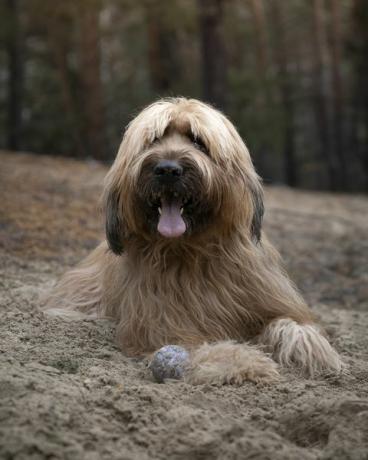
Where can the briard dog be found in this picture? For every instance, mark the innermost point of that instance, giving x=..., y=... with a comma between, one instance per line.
x=185, y=260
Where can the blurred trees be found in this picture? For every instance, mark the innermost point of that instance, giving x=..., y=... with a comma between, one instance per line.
x=338, y=129
x=291, y=74
x=213, y=52
x=15, y=74
x=57, y=34
x=286, y=89
x=88, y=46
x=162, y=43
x=358, y=47
x=321, y=105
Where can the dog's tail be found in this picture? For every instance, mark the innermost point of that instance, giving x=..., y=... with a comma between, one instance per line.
x=78, y=294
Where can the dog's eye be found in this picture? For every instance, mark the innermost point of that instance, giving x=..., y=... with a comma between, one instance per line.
x=198, y=143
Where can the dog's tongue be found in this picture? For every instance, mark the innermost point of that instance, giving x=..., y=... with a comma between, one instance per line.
x=171, y=223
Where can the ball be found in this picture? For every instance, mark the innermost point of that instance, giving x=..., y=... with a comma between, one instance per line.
x=169, y=362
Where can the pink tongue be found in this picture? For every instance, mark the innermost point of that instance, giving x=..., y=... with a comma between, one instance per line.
x=171, y=223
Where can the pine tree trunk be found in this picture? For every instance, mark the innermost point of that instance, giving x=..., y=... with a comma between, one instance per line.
x=262, y=96
x=259, y=20
x=321, y=106
x=214, y=60
x=58, y=42
x=337, y=92
x=15, y=77
x=359, y=33
x=92, y=103
x=287, y=93
x=162, y=49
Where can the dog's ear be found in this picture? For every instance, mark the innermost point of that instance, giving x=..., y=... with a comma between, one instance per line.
x=258, y=211
x=114, y=225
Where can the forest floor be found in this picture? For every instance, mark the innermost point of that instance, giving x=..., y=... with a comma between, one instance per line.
x=67, y=392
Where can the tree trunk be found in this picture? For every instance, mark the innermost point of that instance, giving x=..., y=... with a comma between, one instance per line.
x=286, y=91
x=320, y=97
x=15, y=77
x=214, y=60
x=163, y=60
x=260, y=28
x=337, y=92
x=58, y=42
x=262, y=95
x=89, y=71
x=359, y=45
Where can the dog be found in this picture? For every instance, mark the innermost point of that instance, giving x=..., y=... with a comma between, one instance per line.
x=185, y=260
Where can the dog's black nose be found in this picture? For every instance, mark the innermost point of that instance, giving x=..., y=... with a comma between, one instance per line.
x=168, y=168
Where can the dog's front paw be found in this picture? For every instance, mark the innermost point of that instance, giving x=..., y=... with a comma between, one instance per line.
x=302, y=346
x=230, y=363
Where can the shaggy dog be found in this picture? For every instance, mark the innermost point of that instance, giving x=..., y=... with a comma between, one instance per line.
x=185, y=260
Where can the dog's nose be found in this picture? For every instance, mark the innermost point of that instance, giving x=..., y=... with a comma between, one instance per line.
x=168, y=168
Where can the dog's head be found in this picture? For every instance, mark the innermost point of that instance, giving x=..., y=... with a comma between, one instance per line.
x=182, y=172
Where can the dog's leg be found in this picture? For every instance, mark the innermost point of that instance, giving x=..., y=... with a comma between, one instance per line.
x=291, y=334
x=300, y=345
x=230, y=362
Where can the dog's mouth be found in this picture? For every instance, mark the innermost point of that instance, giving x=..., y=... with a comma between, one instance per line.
x=171, y=223
x=171, y=213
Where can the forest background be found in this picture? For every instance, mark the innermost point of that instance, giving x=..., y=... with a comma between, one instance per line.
x=291, y=74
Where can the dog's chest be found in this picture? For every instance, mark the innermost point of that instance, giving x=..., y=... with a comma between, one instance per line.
x=185, y=303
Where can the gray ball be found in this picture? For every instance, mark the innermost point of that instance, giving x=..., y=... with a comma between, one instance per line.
x=169, y=362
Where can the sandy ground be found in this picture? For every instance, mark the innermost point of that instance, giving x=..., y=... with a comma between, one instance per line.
x=67, y=392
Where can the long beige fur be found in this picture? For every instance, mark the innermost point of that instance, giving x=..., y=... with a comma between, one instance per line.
x=219, y=291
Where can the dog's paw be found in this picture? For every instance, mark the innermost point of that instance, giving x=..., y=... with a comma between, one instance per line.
x=302, y=346
x=230, y=363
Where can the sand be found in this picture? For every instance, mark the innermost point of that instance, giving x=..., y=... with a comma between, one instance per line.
x=66, y=390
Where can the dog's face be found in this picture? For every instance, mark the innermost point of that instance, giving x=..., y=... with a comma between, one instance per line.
x=174, y=197
x=182, y=172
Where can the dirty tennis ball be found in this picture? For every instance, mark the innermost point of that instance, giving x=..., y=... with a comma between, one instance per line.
x=169, y=362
